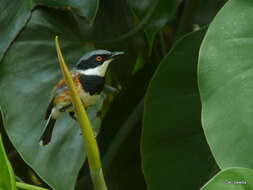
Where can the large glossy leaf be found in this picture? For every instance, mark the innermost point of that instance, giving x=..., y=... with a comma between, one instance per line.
x=175, y=154
x=7, y=177
x=15, y=14
x=231, y=179
x=225, y=82
x=84, y=8
x=13, y=17
x=27, y=76
x=164, y=10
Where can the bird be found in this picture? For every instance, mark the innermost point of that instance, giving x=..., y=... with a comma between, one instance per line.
x=89, y=79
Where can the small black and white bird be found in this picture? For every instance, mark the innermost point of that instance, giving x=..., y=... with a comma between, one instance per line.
x=89, y=78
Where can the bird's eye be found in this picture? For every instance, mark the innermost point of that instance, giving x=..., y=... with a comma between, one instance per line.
x=98, y=58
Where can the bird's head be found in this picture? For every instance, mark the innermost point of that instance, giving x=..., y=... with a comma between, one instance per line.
x=96, y=62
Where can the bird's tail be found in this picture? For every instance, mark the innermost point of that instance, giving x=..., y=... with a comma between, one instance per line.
x=48, y=131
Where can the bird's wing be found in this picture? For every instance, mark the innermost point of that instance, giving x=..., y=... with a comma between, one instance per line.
x=61, y=85
x=60, y=92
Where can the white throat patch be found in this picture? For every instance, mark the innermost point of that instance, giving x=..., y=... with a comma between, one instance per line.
x=98, y=71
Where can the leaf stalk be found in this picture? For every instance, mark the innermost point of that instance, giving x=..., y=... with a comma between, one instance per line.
x=90, y=143
x=28, y=186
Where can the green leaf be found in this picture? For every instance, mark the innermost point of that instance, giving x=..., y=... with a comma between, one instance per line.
x=175, y=154
x=16, y=13
x=7, y=177
x=139, y=63
x=27, y=75
x=14, y=16
x=164, y=11
x=225, y=82
x=231, y=179
x=85, y=8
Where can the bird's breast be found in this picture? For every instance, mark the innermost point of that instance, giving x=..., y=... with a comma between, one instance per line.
x=88, y=86
x=92, y=84
x=88, y=99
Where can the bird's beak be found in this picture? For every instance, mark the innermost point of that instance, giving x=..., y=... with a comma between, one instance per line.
x=116, y=54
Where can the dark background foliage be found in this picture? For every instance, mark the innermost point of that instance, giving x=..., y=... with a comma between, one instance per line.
x=151, y=136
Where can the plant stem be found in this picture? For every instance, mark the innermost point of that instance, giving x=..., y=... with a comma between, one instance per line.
x=90, y=143
x=98, y=179
x=28, y=186
x=119, y=138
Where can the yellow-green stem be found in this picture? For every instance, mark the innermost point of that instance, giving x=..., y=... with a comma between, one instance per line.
x=28, y=186
x=90, y=143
